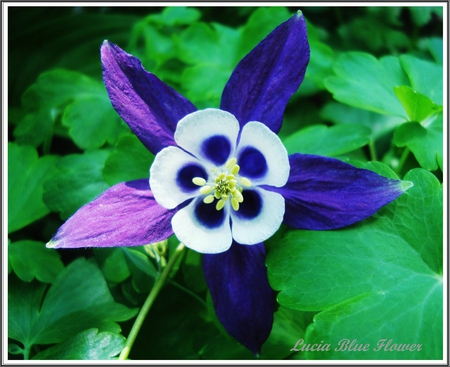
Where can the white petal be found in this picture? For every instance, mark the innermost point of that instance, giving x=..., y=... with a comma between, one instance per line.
x=208, y=134
x=171, y=177
x=265, y=221
x=198, y=235
x=257, y=137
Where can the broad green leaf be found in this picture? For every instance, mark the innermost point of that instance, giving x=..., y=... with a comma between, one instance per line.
x=35, y=128
x=112, y=263
x=320, y=65
x=30, y=259
x=421, y=15
x=380, y=125
x=92, y=121
x=79, y=299
x=81, y=101
x=373, y=35
x=210, y=52
x=426, y=142
x=417, y=106
x=142, y=270
x=79, y=181
x=363, y=81
x=87, y=345
x=174, y=16
x=372, y=280
x=425, y=77
x=129, y=160
x=435, y=46
x=329, y=141
x=26, y=176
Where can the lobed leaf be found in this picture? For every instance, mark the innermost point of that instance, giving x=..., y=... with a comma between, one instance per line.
x=27, y=174
x=314, y=139
x=78, y=181
x=86, y=345
x=377, y=279
x=30, y=259
x=79, y=299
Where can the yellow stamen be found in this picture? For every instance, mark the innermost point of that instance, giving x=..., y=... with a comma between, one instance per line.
x=220, y=204
x=237, y=194
x=199, y=181
x=206, y=190
x=231, y=162
x=235, y=204
x=235, y=169
x=246, y=182
x=208, y=199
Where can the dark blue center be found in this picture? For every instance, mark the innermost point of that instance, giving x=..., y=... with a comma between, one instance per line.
x=187, y=173
x=251, y=206
x=252, y=162
x=208, y=215
x=217, y=149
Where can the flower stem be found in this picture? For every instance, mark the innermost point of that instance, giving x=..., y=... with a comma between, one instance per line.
x=149, y=302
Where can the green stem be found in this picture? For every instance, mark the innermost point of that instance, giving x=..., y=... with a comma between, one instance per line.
x=149, y=302
x=402, y=160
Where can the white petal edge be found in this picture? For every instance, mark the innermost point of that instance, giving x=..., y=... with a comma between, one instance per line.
x=163, y=177
x=199, y=238
x=259, y=136
x=193, y=129
x=263, y=226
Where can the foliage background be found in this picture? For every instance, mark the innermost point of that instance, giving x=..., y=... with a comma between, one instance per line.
x=381, y=278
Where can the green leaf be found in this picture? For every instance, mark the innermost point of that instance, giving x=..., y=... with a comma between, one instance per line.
x=425, y=77
x=35, y=128
x=421, y=15
x=426, y=142
x=417, y=106
x=26, y=176
x=79, y=299
x=81, y=101
x=320, y=65
x=141, y=268
x=260, y=23
x=363, y=81
x=210, y=52
x=380, y=125
x=174, y=15
x=317, y=139
x=30, y=259
x=128, y=161
x=87, y=345
x=377, y=279
x=79, y=181
x=112, y=263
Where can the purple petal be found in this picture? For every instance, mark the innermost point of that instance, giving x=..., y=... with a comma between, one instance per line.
x=124, y=215
x=150, y=107
x=243, y=299
x=325, y=193
x=265, y=79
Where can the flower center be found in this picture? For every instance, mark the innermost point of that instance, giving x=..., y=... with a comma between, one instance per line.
x=225, y=184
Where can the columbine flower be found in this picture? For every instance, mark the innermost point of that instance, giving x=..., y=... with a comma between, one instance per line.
x=222, y=180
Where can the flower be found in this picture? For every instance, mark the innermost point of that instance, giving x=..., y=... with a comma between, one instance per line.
x=221, y=179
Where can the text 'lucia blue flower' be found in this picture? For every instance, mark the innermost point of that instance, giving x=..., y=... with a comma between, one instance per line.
x=221, y=179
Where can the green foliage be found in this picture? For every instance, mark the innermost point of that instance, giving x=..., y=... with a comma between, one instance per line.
x=27, y=257
x=89, y=345
x=359, y=283
x=78, y=181
x=373, y=91
x=78, y=299
x=27, y=174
